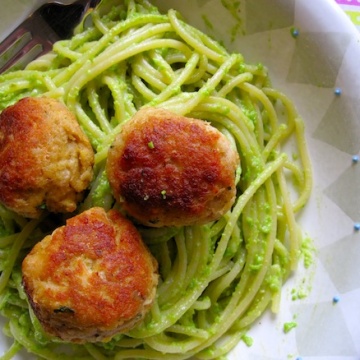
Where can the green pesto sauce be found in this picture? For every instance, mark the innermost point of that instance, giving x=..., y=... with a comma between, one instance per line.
x=235, y=31
x=250, y=113
x=266, y=225
x=233, y=247
x=298, y=294
x=207, y=22
x=253, y=169
x=289, y=326
x=307, y=251
x=304, y=288
x=260, y=66
x=242, y=68
x=273, y=155
x=249, y=341
x=257, y=263
x=233, y=7
x=274, y=278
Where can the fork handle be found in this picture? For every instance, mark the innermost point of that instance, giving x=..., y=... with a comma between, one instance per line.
x=72, y=14
x=87, y=3
x=94, y=3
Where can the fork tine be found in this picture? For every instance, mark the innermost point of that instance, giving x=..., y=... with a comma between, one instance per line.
x=24, y=39
x=32, y=50
x=13, y=44
x=36, y=35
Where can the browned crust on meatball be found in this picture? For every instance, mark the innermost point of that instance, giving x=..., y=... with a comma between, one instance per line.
x=92, y=278
x=45, y=158
x=170, y=170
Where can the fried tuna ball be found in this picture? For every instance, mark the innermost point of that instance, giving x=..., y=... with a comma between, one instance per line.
x=170, y=170
x=45, y=158
x=90, y=279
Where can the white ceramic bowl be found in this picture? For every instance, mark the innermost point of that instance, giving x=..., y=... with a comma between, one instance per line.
x=309, y=68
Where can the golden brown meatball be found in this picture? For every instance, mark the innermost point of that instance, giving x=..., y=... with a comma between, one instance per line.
x=90, y=279
x=45, y=158
x=170, y=170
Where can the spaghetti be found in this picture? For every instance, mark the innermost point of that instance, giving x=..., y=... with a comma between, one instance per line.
x=218, y=278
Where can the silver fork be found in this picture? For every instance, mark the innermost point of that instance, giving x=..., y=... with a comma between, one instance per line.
x=36, y=35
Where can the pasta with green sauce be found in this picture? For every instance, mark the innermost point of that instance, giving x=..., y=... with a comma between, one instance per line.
x=218, y=278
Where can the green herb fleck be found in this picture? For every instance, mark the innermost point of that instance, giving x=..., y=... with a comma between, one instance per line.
x=298, y=294
x=247, y=340
x=289, y=326
x=151, y=145
x=257, y=263
x=307, y=251
x=64, y=309
x=163, y=193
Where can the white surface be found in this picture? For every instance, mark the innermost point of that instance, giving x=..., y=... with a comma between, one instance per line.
x=325, y=330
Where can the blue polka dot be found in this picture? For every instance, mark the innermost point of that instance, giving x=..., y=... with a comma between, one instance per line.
x=355, y=159
x=357, y=226
x=336, y=299
x=337, y=91
x=295, y=32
